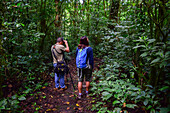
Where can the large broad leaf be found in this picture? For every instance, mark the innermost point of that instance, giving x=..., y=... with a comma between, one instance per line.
x=144, y=54
x=14, y=102
x=135, y=88
x=164, y=88
x=116, y=102
x=106, y=95
x=14, y=97
x=164, y=110
x=151, y=40
x=2, y=107
x=3, y=102
x=139, y=46
x=145, y=102
x=21, y=98
x=28, y=90
x=117, y=110
x=149, y=86
x=155, y=60
x=131, y=105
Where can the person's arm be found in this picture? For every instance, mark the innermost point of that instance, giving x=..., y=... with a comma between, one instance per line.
x=67, y=47
x=76, y=52
x=91, y=60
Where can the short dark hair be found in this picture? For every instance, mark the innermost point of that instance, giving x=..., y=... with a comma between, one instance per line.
x=60, y=39
x=83, y=40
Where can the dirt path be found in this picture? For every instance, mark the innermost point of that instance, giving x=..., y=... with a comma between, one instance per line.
x=51, y=101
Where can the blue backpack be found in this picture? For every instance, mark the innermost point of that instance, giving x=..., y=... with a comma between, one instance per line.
x=81, y=59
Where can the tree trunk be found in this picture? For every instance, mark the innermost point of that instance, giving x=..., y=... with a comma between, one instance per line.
x=104, y=8
x=114, y=12
x=42, y=24
x=88, y=18
x=58, y=17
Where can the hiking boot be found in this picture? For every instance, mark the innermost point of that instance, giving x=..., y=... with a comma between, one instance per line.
x=55, y=89
x=79, y=96
x=64, y=88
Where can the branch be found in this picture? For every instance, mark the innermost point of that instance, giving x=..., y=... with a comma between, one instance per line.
x=156, y=23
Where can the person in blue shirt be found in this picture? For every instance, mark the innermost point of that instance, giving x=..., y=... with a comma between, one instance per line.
x=87, y=71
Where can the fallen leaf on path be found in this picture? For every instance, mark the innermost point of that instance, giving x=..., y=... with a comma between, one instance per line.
x=10, y=86
x=71, y=96
x=48, y=110
x=80, y=109
x=43, y=87
x=67, y=103
x=54, y=109
x=75, y=108
x=77, y=104
x=124, y=104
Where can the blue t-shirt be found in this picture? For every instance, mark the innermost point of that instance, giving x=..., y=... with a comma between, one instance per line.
x=89, y=56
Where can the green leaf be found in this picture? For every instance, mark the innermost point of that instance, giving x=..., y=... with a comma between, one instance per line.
x=164, y=110
x=116, y=102
x=21, y=98
x=149, y=86
x=151, y=40
x=22, y=24
x=164, y=88
x=144, y=54
x=14, y=97
x=19, y=4
x=145, y=102
x=152, y=110
x=106, y=95
x=135, y=88
x=149, y=107
x=3, y=102
x=2, y=107
x=116, y=110
x=115, y=95
x=28, y=90
x=131, y=105
x=155, y=60
x=14, y=102
x=136, y=47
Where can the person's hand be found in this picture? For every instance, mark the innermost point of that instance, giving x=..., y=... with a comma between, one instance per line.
x=65, y=41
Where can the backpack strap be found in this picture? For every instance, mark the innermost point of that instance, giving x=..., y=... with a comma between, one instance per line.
x=62, y=52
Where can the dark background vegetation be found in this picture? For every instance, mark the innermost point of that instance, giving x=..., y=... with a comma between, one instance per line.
x=130, y=36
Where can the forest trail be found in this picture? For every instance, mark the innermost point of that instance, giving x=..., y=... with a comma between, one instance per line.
x=51, y=101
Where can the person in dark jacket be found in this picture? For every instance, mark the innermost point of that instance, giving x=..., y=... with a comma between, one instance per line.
x=87, y=71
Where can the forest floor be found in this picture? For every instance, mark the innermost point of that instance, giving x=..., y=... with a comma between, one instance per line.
x=57, y=101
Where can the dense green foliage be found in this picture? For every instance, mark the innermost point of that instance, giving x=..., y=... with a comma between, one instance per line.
x=132, y=41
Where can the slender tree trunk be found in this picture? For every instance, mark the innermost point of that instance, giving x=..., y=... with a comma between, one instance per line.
x=88, y=18
x=58, y=11
x=114, y=12
x=104, y=8
x=43, y=24
x=2, y=52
